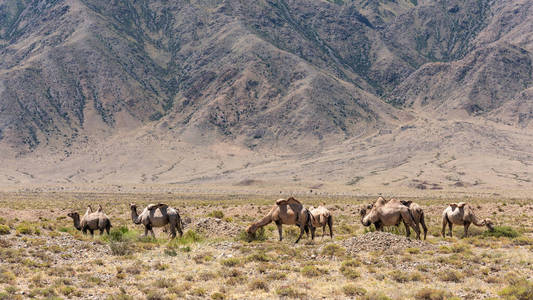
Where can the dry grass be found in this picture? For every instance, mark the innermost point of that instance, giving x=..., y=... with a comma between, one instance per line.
x=42, y=255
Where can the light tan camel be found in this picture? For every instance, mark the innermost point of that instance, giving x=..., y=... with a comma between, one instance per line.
x=391, y=213
x=91, y=221
x=321, y=217
x=462, y=214
x=157, y=215
x=418, y=215
x=286, y=211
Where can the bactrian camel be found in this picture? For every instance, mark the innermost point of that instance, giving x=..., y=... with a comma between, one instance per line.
x=462, y=214
x=321, y=217
x=418, y=215
x=157, y=215
x=91, y=221
x=289, y=212
x=391, y=213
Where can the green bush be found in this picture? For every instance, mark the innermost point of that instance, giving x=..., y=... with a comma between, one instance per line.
x=26, y=228
x=333, y=250
x=216, y=214
x=4, y=229
x=312, y=271
x=287, y=291
x=260, y=235
x=231, y=262
x=189, y=237
x=502, y=231
x=120, y=248
x=518, y=290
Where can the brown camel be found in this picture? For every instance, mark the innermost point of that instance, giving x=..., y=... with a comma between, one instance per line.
x=157, y=215
x=321, y=217
x=391, y=213
x=289, y=212
x=418, y=215
x=462, y=214
x=91, y=221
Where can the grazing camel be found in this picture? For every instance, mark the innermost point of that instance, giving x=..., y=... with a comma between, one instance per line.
x=91, y=221
x=321, y=217
x=391, y=213
x=286, y=211
x=462, y=214
x=418, y=215
x=157, y=215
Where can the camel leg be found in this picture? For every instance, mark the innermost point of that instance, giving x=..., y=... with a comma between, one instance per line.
x=407, y=230
x=406, y=216
x=172, y=231
x=323, y=230
x=145, y=230
x=301, y=234
x=152, y=232
x=280, y=231
x=450, y=225
x=92, y=232
x=102, y=231
x=330, y=225
x=444, y=223
x=424, y=227
x=466, y=225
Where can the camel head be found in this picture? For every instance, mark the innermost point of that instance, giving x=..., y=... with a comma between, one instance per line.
x=133, y=206
x=251, y=230
x=489, y=224
x=73, y=215
x=368, y=215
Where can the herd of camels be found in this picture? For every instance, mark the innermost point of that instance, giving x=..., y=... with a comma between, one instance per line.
x=292, y=212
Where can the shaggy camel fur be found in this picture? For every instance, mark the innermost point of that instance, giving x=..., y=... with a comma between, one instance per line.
x=91, y=221
x=418, y=215
x=286, y=211
x=157, y=215
x=383, y=213
x=462, y=214
x=321, y=217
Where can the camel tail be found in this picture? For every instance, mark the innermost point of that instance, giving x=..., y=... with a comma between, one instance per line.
x=330, y=225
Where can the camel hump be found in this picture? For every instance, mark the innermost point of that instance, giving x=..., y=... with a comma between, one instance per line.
x=288, y=201
x=453, y=205
x=406, y=202
x=100, y=208
x=152, y=206
x=461, y=204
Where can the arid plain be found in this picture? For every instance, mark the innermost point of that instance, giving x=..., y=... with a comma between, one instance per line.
x=44, y=256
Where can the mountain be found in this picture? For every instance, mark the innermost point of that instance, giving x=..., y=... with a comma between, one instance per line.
x=181, y=92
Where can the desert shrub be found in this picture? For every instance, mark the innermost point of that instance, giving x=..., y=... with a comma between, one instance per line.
x=349, y=272
x=431, y=294
x=218, y=296
x=375, y=296
x=450, y=275
x=7, y=276
x=189, y=237
x=200, y=292
x=26, y=228
x=502, y=231
x=353, y=290
x=120, y=248
x=287, y=291
x=230, y=262
x=333, y=250
x=312, y=271
x=259, y=284
x=216, y=214
x=260, y=235
x=518, y=290
x=412, y=250
x=259, y=256
x=4, y=229
x=523, y=241
x=276, y=276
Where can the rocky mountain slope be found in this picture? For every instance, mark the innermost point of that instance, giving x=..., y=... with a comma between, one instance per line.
x=98, y=91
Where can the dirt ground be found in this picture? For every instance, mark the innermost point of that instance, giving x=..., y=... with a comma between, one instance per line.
x=43, y=256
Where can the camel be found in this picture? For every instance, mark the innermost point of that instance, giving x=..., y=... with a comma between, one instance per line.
x=383, y=213
x=321, y=217
x=91, y=221
x=462, y=214
x=289, y=212
x=157, y=215
x=418, y=215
